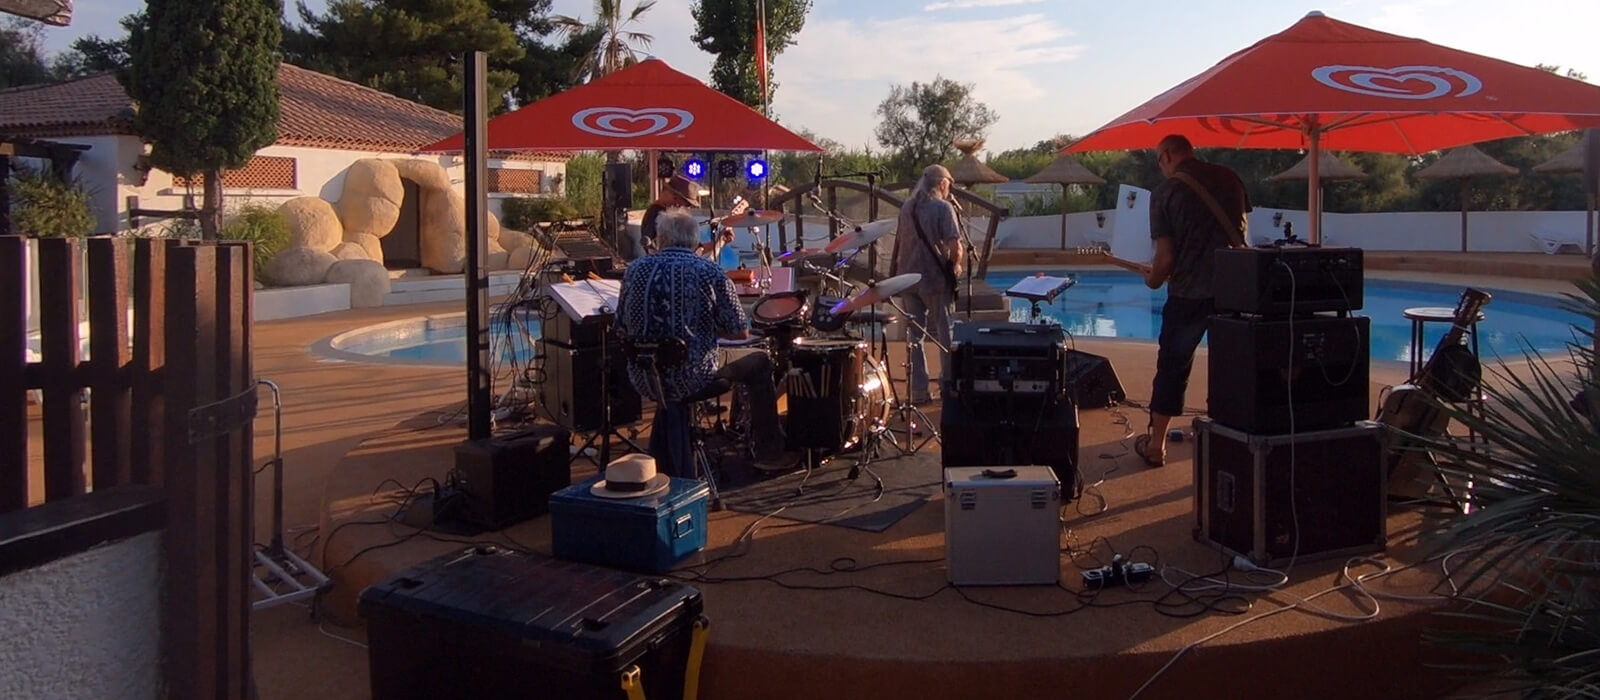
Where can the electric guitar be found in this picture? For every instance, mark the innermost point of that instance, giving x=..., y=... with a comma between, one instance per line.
x=1141, y=268
x=1412, y=412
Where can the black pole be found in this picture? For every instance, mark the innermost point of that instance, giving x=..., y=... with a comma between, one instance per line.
x=477, y=157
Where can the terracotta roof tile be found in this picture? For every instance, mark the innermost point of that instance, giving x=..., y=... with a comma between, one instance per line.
x=318, y=111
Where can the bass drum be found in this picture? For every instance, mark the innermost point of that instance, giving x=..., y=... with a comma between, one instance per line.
x=838, y=395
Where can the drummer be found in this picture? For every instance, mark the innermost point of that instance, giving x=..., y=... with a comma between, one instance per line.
x=678, y=294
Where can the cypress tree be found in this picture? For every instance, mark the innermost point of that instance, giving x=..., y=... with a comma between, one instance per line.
x=204, y=74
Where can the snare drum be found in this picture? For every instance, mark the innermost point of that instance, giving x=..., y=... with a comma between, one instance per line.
x=783, y=311
x=836, y=393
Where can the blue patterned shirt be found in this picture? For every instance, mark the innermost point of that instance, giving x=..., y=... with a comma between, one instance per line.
x=677, y=294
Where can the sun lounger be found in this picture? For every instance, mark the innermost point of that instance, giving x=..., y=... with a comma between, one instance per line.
x=1552, y=242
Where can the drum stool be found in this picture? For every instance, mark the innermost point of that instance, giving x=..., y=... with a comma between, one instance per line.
x=681, y=418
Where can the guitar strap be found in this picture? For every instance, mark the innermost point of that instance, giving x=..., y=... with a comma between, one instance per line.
x=1235, y=236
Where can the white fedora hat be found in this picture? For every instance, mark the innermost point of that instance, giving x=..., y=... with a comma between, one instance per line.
x=631, y=476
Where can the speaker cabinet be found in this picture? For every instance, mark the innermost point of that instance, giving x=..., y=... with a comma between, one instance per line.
x=570, y=390
x=1270, y=376
x=619, y=185
x=1019, y=432
x=508, y=479
x=1306, y=496
x=1092, y=381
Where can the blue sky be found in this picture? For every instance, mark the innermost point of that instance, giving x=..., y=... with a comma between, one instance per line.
x=1049, y=66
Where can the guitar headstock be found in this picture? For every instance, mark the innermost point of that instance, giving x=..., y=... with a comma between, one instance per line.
x=1471, y=304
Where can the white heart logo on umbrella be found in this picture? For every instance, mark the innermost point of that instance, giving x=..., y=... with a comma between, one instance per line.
x=1401, y=82
x=624, y=123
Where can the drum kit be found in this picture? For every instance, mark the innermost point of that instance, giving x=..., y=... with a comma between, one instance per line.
x=829, y=349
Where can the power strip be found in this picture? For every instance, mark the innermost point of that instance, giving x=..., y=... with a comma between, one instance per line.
x=1117, y=574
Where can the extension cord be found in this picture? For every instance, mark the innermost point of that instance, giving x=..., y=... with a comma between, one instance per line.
x=1118, y=574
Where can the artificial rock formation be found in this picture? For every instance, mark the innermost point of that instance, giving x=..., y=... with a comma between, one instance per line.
x=368, y=280
x=323, y=233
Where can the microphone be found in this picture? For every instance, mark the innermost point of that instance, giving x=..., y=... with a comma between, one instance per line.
x=956, y=205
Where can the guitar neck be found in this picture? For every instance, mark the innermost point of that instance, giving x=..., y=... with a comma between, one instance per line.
x=1125, y=264
x=1467, y=311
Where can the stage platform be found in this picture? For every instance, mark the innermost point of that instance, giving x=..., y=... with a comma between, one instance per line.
x=802, y=610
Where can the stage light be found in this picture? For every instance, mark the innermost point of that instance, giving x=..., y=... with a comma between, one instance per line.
x=727, y=168
x=694, y=169
x=664, y=168
x=756, y=169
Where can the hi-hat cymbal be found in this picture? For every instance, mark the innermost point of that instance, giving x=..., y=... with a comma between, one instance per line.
x=864, y=235
x=877, y=293
x=753, y=218
x=793, y=255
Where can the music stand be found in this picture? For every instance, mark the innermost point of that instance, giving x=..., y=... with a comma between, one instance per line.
x=1039, y=289
x=595, y=302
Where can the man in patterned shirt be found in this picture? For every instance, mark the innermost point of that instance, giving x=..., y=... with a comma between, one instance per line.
x=675, y=293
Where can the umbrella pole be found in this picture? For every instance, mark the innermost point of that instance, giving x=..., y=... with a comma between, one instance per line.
x=1464, y=193
x=1314, y=186
x=1063, y=216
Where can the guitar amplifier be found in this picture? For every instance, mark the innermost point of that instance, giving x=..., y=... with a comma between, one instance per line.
x=1008, y=358
x=1305, y=496
x=1272, y=375
x=999, y=431
x=1283, y=281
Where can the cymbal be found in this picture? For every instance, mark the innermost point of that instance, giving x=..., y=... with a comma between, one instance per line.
x=753, y=218
x=864, y=235
x=877, y=292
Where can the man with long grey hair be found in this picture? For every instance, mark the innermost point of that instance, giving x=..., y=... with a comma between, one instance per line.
x=927, y=241
x=676, y=294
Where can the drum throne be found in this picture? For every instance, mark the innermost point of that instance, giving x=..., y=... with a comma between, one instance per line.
x=678, y=433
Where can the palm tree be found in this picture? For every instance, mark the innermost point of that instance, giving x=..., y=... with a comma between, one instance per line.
x=614, y=47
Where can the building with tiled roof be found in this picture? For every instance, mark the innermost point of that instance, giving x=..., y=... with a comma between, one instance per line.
x=324, y=125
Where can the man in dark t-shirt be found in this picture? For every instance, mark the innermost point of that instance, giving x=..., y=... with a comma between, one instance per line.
x=1187, y=234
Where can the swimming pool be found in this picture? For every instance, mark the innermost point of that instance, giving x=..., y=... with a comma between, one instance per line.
x=1116, y=304
x=1103, y=304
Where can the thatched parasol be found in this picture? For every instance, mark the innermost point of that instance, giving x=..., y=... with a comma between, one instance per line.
x=1065, y=170
x=1330, y=168
x=969, y=170
x=1463, y=164
x=1570, y=162
x=52, y=12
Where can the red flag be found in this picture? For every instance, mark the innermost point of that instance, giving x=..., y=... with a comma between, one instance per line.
x=761, y=54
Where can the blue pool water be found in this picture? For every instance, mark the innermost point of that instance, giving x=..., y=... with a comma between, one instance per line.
x=1116, y=304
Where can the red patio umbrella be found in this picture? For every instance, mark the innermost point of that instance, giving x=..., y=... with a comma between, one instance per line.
x=1327, y=84
x=647, y=106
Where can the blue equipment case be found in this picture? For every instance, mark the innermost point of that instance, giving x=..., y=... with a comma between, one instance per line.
x=487, y=623
x=649, y=535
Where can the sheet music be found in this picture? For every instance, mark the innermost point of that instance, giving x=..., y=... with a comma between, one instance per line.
x=586, y=299
x=1040, y=287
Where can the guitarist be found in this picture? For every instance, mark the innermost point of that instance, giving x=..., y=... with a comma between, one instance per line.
x=928, y=242
x=1199, y=209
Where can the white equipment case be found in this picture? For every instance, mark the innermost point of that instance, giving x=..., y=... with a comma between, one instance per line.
x=1002, y=525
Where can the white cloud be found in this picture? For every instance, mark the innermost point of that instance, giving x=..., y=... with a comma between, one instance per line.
x=832, y=80
x=971, y=4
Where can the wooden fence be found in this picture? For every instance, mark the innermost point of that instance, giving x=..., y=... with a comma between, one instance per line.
x=170, y=399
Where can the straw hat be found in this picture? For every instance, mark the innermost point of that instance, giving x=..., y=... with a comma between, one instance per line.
x=631, y=476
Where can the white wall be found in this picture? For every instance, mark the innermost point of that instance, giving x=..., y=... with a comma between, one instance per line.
x=87, y=626
x=1128, y=230
x=108, y=174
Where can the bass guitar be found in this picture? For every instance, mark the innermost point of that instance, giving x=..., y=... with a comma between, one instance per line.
x=1412, y=412
x=1125, y=264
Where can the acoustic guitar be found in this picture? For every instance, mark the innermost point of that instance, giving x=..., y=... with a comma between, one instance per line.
x=1413, y=412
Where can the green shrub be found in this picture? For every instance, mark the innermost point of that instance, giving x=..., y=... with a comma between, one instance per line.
x=262, y=226
x=45, y=207
x=583, y=184
x=521, y=213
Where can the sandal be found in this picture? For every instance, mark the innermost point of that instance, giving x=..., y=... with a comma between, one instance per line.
x=1141, y=445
